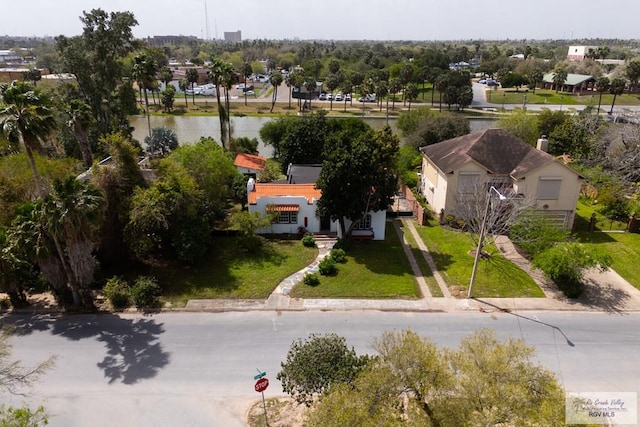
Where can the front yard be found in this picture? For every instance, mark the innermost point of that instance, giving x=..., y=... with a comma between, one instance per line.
x=375, y=269
x=496, y=276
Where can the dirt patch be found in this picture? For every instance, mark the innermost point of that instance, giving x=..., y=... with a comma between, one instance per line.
x=281, y=412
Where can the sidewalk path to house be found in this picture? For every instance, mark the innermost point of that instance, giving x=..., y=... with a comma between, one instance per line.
x=606, y=291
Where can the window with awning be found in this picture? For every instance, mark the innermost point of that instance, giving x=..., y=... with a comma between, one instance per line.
x=283, y=208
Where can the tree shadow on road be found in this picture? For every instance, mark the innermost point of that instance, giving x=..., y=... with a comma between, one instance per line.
x=133, y=350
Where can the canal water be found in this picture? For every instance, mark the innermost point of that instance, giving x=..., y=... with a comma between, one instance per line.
x=189, y=129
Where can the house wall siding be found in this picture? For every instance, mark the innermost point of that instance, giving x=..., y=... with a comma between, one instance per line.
x=306, y=211
x=378, y=222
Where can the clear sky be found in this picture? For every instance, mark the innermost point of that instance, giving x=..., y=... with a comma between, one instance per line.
x=340, y=19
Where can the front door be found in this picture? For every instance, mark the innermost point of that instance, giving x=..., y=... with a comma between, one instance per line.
x=325, y=224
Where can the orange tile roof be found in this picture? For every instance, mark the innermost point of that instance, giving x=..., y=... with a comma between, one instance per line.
x=250, y=161
x=271, y=190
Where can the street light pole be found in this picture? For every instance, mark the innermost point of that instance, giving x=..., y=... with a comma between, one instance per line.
x=483, y=232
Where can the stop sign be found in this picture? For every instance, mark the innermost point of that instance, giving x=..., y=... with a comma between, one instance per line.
x=262, y=384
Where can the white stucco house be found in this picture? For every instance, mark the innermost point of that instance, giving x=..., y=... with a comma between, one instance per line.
x=296, y=206
x=493, y=157
x=249, y=164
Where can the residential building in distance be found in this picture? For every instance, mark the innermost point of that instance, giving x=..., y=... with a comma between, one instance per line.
x=233, y=36
x=579, y=53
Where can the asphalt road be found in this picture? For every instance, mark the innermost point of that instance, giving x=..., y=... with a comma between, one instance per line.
x=196, y=369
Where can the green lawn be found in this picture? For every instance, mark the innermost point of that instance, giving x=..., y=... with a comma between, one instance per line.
x=543, y=96
x=496, y=277
x=422, y=263
x=376, y=269
x=624, y=248
x=229, y=272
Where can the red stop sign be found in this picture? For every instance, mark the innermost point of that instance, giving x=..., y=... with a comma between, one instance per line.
x=262, y=384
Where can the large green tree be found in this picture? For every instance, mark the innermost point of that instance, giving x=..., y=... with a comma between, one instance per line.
x=26, y=118
x=483, y=382
x=359, y=174
x=317, y=363
x=95, y=58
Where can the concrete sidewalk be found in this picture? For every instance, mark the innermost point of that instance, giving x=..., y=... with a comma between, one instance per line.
x=605, y=291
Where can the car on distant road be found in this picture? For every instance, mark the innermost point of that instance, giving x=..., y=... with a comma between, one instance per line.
x=347, y=97
x=368, y=98
x=250, y=93
x=482, y=81
x=339, y=97
x=492, y=83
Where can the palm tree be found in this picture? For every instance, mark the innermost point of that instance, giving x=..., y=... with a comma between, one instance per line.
x=183, y=84
x=602, y=85
x=192, y=76
x=616, y=88
x=275, y=80
x=80, y=119
x=247, y=70
x=144, y=73
x=71, y=214
x=559, y=78
x=394, y=87
x=633, y=73
x=411, y=93
x=382, y=90
x=442, y=82
x=26, y=117
x=310, y=84
x=535, y=76
x=219, y=72
x=166, y=76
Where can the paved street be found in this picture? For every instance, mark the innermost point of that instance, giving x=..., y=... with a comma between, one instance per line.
x=196, y=369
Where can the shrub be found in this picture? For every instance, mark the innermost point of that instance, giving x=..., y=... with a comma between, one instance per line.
x=339, y=255
x=565, y=264
x=146, y=292
x=309, y=241
x=328, y=267
x=535, y=234
x=311, y=279
x=343, y=244
x=118, y=292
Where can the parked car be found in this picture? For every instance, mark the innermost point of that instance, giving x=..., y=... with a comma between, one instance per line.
x=240, y=86
x=339, y=97
x=329, y=97
x=322, y=96
x=247, y=88
x=492, y=83
x=347, y=97
x=482, y=81
x=250, y=93
x=368, y=98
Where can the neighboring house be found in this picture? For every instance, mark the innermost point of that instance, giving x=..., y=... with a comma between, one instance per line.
x=493, y=157
x=303, y=174
x=249, y=164
x=296, y=203
x=575, y=83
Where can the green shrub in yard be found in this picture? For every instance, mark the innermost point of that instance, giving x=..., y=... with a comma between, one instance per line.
x=343, y=244
x=308, y=240
x=565, y=264
x=118, y=292
x=338, y=255
x=535, y=234
x=328, y=267
x=146, y=292
x=311, y=279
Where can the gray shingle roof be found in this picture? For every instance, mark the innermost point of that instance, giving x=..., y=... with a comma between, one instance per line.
x=495, y=149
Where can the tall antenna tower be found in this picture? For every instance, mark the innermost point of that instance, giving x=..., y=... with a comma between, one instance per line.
x=206, y=20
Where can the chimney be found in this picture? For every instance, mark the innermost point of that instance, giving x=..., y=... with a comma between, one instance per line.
x=543, y=143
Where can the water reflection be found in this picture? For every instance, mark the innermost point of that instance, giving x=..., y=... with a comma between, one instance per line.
x=190, y=128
